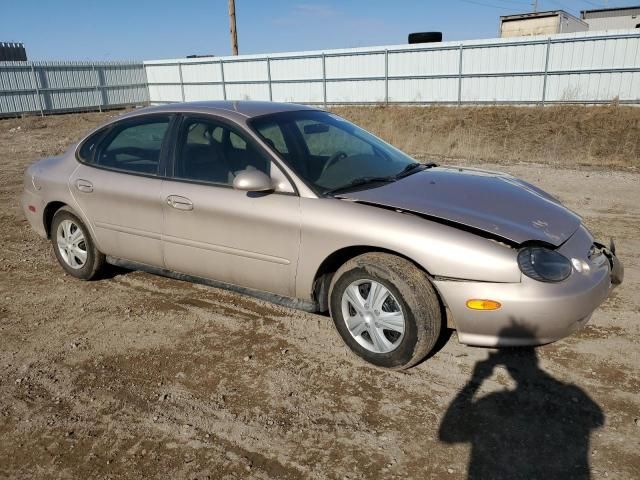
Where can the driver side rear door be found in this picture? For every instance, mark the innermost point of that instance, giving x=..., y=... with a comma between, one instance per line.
x=117, y=187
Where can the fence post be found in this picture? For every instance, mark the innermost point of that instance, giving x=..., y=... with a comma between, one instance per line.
x=269, y=78
x=181, y=81
x=98, y=91
x=460, y=75
x=324, y=81
x=386, y=77
x=35, y=85
x=146, y=84
x=546, y=70
x=224, y=88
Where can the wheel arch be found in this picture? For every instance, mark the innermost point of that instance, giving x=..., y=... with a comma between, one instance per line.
x=329, y=266
x=47, y=215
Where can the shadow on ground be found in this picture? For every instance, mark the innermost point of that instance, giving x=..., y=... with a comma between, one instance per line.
x=540, y=430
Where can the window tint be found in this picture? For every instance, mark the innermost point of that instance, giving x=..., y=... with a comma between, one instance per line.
x=134, y=147
x=324, y=140
x=89, y=146
x=329, y=152
x=211, y=152
x=272, y=134
x=237, y=142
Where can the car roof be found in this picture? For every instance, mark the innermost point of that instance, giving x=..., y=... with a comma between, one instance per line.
x=224, y=108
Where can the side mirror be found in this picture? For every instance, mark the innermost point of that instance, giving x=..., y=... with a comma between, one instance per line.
x=253, y=181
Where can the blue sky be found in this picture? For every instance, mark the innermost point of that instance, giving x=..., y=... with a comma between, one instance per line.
x=155, y=29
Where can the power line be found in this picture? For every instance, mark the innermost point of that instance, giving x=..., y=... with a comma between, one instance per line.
x=488, y=5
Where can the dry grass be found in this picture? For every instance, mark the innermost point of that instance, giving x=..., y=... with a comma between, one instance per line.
x=607, y=136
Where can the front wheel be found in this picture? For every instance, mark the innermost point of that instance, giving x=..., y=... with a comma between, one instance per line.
x=73, y=246
x=385, y=309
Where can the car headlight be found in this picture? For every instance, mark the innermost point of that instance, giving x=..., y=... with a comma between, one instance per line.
x=543, y=264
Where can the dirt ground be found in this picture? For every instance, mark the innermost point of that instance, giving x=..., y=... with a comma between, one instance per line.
x=139, y=376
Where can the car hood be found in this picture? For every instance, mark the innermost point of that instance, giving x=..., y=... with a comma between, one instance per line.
x=492, y=202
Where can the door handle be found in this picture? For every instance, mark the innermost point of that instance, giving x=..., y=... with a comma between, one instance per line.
x=181, y=203
x=84, y=186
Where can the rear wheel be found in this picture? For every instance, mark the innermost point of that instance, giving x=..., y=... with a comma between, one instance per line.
x=385, y=309
x=73, y=246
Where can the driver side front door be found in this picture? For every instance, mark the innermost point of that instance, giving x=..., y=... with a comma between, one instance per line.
x=216, y=232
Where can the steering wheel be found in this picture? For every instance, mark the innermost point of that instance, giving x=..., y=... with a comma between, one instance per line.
x=339, y=155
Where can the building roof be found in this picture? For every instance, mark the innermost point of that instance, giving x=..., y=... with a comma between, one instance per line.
x=548, y=13
x=610, y=12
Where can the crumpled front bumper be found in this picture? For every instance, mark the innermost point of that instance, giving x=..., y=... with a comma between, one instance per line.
x=533, y=312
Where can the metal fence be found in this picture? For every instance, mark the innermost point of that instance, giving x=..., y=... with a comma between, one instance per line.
x=55, y=87
x=584, y=67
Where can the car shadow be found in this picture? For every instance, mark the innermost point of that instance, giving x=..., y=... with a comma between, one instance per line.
x=541, y=429
x=110, y=271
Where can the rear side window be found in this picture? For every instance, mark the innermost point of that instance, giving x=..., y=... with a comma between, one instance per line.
x=134, y=147
x=88, y=148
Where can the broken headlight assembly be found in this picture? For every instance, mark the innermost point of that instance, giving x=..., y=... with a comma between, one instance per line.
x=543, y=264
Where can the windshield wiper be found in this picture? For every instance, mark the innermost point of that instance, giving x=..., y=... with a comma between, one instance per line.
x=406, y=171
x=359, y=182
x=413, y=167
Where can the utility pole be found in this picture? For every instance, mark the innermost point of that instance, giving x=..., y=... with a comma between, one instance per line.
x=534, y=4
x=232, y=27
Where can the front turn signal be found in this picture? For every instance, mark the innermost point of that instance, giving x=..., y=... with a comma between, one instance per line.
x=480, y=304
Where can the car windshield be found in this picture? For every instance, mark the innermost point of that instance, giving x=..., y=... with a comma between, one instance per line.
x=330, y=153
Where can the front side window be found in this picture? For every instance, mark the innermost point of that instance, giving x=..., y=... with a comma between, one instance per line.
x=134, y=146
x=209, y=151
x=329, y=152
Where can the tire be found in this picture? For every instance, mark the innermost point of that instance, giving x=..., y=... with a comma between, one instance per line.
x=425, y=37
x=410, y=296
x=69, y=253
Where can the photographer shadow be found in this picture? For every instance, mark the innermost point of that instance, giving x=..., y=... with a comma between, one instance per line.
x=541, y=429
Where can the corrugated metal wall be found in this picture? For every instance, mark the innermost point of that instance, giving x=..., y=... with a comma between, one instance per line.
x=52, y=87
x=578, y=67
x=581, y=67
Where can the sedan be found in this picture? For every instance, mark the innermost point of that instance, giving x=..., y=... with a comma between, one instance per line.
x=300, y=207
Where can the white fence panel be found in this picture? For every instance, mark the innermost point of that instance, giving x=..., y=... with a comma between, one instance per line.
x=201, y=72
x=588, y=86
x=355, y=66
x=200, y=92
x=433, y=90
x=580, y=67
x=245, y=71
x=595, y=54
x=520, y=89
x=508, y=59
x=163, y=73
x=168, y=93
x=296, y=68
x=365, y=91
x=425, y=62
x=307, y=92
x=247, y=91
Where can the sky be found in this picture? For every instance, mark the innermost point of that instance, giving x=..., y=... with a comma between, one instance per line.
x=157, y=29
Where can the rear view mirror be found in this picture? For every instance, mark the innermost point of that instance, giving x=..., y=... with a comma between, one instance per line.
x=316, y=128
x=253, y=181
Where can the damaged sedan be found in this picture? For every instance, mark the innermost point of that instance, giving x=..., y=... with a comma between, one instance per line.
x=300, y=207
